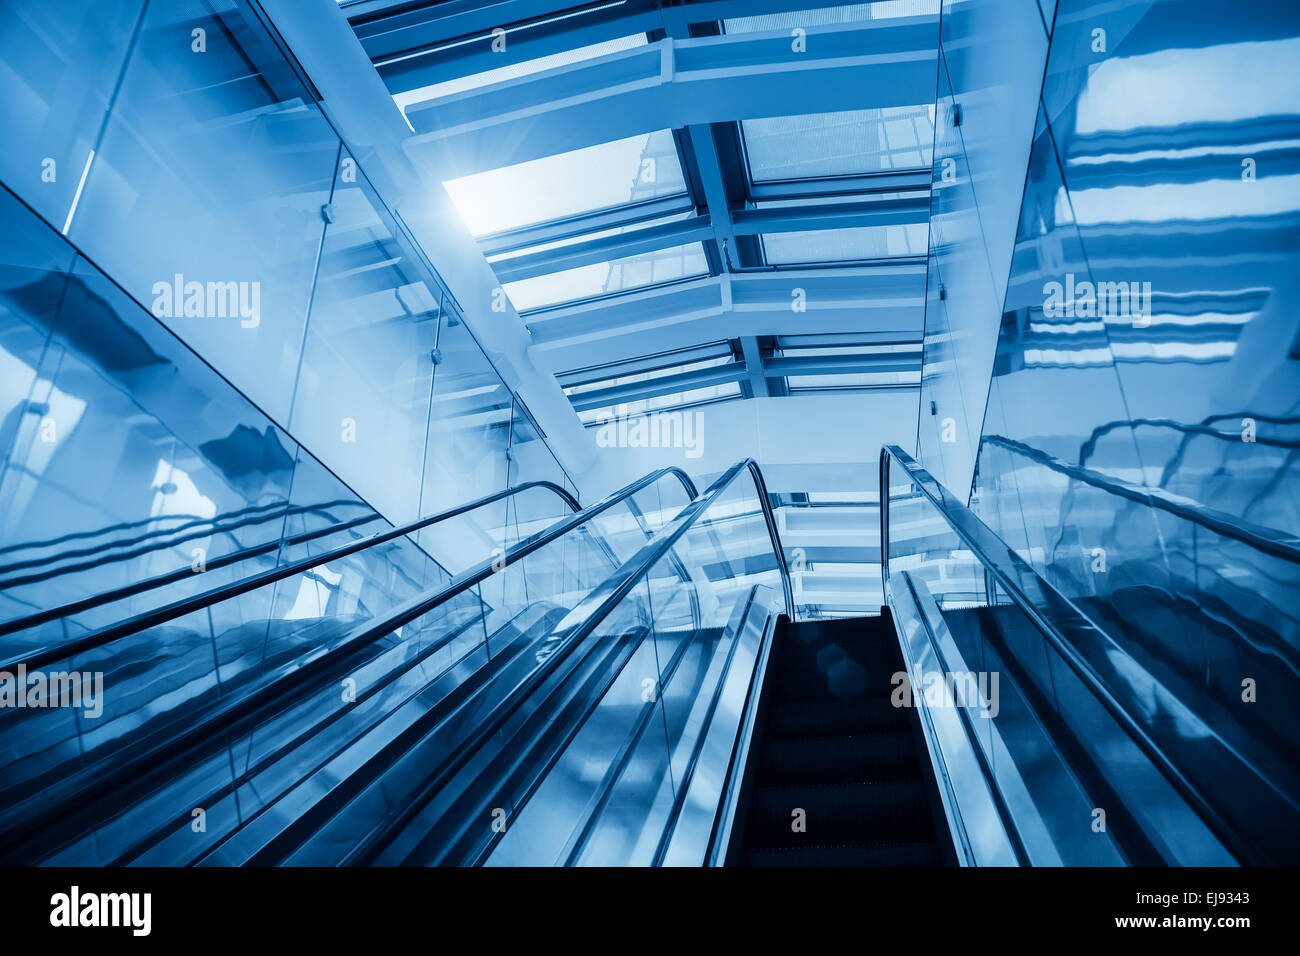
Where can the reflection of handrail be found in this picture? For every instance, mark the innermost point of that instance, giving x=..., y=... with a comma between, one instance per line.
x=249, y=518
x=1191, y=431
x=189, y=521
x=168, y=577
x=151, y=618
x=1267, y=540
x=268, y=693
x=1065, y=628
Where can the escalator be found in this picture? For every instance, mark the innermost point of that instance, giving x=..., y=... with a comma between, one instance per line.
x=627, y=685
x=224, y=708
x=840, y=776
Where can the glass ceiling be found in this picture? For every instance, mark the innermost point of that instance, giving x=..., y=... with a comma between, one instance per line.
x=570, y=184
x=818, y=145
x=538, y=210
x=649, y=375
x=660, y=403
x=604, y=278
x=587, y=237
x=501, y=74
x=829, y=16
x=845, y=245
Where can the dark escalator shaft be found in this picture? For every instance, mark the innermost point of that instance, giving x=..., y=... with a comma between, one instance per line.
x=837, y=776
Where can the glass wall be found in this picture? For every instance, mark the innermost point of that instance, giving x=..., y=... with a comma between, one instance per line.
x=1143, y=420
x=186, y=160
x=125, y=456
x=983, y=123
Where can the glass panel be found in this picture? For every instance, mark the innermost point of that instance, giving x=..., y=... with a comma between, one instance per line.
x=844, y=245
x=833, y=16
x=366, y=376
x=58, y=66
x=221, y=245
x=557, y=187
x=1115, y=357
x=476, y=81
x=186, y=471
x=1056, y=754
x=850, y=143
x=316, y=739
x=682, y=690
x=618, y=275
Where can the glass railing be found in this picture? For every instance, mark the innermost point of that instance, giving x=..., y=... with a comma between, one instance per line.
x=622, y=755
x=1200, y=598
x=193, y=711
x=1059, y=736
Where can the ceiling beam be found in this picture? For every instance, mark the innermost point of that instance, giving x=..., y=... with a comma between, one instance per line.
x=670, y=84
x=884, y=304
x=653, y=388
x=754, y=365
x=911, y=210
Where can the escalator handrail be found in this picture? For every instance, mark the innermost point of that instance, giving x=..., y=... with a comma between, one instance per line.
x=1267, y=540
x=1013, y=574
x=61, y=650
x=214, y=718
x=770, y=520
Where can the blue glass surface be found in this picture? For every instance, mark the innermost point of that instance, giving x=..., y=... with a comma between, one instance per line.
x=1148, y=334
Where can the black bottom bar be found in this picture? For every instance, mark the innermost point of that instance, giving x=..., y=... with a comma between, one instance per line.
x=452, y=909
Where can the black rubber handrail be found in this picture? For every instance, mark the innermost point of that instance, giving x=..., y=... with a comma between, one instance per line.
x=1054, y=617
x=64, y=649
x=267, y=693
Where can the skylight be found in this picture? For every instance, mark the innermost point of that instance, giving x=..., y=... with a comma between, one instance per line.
x=801, y=351
x=514, y=71
x=845, y=245
x=807, y=383
x=619, y=275
x=648, y=376
x=554, y=244
x=558, y=187
x=660, y=403
x=852, y=143
x=830, y=16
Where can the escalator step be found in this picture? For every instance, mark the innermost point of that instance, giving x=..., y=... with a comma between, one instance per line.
x=887, y=812
x=795, y=718
x=790, y=760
